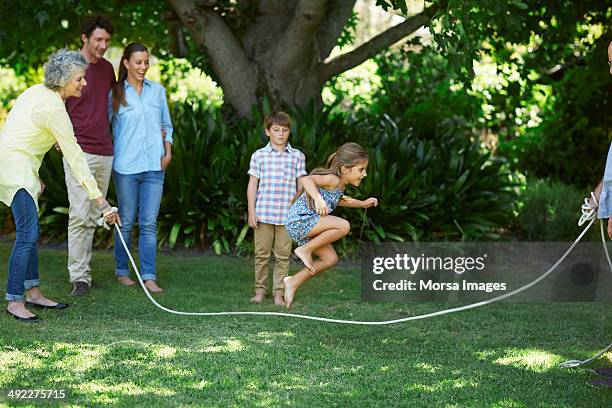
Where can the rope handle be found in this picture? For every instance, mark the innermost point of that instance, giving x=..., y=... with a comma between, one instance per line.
x=589, y=210
x=102, y=220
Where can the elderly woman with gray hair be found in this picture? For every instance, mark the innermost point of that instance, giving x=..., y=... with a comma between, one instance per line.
x=36, y=122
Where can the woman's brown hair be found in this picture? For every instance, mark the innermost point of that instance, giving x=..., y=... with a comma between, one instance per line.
x=119, y=87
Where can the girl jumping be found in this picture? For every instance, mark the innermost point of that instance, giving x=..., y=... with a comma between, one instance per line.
x=309, y=223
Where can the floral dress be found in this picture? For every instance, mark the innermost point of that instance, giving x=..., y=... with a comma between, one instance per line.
x=302, y=219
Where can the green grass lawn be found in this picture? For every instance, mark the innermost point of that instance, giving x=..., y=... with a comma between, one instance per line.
x=114, y=348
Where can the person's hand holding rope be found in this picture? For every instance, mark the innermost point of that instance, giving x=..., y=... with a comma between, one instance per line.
x=110, y=215
x=589, y=209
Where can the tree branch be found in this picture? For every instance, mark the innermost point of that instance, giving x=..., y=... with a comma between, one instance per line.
x=227, y=58
x=333, y=25
x=298, y=38
x=382, y=41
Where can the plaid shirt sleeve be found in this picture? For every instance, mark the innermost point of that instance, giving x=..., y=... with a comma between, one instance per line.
x=301, y=166
x=254, y=169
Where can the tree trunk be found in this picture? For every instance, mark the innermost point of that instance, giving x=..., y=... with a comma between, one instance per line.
x=283, y=52
x=280, y=55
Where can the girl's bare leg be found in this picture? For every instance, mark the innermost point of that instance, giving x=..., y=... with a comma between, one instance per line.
x=329, y=229
x=327, y=259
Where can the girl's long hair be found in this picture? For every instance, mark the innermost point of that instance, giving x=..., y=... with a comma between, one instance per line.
x=118, y=88
x=348, y=155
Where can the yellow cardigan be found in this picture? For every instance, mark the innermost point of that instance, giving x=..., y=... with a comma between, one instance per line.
x=35, y=123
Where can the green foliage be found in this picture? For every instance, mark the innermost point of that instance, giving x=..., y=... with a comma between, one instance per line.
x=393, y=4
x=347, y=36
x=573, y=138
x=464, y=30
x=319, y=132
x=353, y=89
x=427, y=189
x=468, y=29
x=417, y=94
x=434, y=191
x=53, y=213
x=549, y=211
x=445, y=185
x=204, y=193
x=186, y=84
x=11, y=86
x=6, y=220
x=47, y=25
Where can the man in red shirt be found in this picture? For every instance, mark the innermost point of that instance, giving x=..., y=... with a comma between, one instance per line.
x=89, y=116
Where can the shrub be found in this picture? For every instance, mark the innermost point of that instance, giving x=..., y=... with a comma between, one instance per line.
x=549, y=211
x=427, y=190
x=433, y=191
x=203, y=201
x=571, y=142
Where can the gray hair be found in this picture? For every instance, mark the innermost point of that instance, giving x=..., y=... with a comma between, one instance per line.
x=61, y=66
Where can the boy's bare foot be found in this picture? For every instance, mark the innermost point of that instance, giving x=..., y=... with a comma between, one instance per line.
x=257, y=299
x=152, y=286
x=289, y=291
x=279, y=300
x=305, y=257
x=126, y=280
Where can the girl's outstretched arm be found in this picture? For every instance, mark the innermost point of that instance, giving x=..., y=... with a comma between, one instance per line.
x=350, y=202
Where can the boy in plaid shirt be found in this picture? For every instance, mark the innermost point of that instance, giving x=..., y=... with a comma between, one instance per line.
x=274, y=173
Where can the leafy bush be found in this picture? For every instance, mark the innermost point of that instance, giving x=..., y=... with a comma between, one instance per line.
x=428, y=190
x=433, y=191
x=6, y=220
x=573, y=138
x=549, y=211
x=205, y=185
x=11, y=85
x=433, y=178
x=418, y=95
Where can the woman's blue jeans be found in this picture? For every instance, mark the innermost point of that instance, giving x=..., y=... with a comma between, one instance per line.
x=139, y=197
x=23, y=263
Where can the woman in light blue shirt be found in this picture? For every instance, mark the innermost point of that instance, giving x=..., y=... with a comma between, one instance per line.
x=142, y=132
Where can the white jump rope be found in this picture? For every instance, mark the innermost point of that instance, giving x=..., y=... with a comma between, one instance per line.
x=588, y=214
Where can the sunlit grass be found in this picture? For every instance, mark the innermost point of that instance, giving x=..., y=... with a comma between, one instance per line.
x=113, y=348
x=535, y=360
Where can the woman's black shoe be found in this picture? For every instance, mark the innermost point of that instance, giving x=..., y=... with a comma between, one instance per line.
x=33, y=319
x=58, y=306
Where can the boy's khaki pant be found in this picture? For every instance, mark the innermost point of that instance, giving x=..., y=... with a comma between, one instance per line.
x=270, y=237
